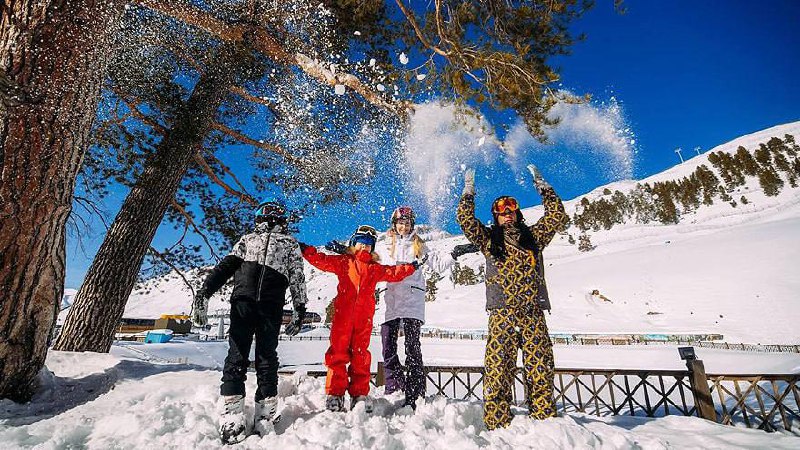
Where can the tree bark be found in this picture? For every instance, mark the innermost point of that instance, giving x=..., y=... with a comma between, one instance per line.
x=53, y=55
x=98, y=307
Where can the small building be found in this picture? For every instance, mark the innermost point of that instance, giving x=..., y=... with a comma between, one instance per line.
x=178, y=323
x=132, y=325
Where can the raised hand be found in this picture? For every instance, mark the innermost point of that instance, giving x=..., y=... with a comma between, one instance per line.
x=469, y=182
x=538, y=181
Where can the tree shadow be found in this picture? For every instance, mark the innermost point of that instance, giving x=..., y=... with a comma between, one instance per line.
x=626, y=422
x=61, y=394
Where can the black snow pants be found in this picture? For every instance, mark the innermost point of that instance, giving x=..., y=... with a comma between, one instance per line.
x=262, y=320
x=411, y=378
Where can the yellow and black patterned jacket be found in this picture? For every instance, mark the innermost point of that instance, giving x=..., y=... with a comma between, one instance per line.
x=518, y=281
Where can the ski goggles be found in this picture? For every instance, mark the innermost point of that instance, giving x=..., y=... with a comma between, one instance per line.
x=504, y=204
x=270, y=209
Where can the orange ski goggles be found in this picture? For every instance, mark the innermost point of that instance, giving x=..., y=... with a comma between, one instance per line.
x=504, y=204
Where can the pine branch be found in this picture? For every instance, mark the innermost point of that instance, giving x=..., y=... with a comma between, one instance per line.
x=259, y=39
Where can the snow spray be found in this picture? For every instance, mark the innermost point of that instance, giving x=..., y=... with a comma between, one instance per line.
x=441, y=142
x=590, y=139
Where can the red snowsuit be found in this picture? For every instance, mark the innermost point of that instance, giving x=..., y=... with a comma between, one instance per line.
x=354, y=307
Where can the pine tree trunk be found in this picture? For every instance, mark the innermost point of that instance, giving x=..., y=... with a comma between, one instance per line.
x=98, y=307
x=53, y=55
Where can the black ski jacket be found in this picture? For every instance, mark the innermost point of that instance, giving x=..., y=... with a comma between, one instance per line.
x=263, y=265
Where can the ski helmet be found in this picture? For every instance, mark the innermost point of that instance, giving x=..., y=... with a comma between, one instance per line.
x=404, y=212
x=365, y=234
x=270, y=210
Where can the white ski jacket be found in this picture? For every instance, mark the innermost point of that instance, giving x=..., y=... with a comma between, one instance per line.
x=406, y=299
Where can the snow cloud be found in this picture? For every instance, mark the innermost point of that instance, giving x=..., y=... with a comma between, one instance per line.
x=590, y=137
x=441, y=142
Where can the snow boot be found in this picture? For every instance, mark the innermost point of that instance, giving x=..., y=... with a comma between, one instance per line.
x=335, y=403
x=410, y=402
x=265, y=417
x=362, y=398
x=232, y=426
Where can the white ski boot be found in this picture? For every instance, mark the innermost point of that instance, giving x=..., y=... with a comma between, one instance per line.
x=362, y=398
x=232, y=423
x=265, y=418
x=335, y=403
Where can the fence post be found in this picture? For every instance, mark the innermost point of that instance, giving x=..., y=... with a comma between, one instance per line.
x=380, y=377
x=699, y=384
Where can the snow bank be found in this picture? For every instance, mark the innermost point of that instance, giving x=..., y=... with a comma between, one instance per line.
x=174, y=406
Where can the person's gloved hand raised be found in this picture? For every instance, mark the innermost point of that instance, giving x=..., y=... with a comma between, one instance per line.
x=296, y=324
x=469, y=182
x=336, y=247
x=200, y=309
x=538, y=181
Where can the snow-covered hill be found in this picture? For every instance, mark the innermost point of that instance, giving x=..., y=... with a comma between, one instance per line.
x=720, y=270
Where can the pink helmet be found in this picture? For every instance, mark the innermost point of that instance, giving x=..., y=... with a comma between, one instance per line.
x=404, y=212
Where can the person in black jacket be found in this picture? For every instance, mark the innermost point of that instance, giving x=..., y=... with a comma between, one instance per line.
x=263, y=265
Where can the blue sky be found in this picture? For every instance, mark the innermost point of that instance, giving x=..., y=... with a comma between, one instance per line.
x=681, y=74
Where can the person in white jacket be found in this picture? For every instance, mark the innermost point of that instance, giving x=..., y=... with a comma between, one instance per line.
x=405, y=305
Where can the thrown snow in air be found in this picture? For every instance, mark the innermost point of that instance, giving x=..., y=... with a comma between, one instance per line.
x=589, y=137
x=439, y=141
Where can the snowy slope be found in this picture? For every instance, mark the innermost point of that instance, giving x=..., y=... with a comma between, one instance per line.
x=721, y=270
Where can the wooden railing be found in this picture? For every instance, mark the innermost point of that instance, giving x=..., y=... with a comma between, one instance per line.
x=766, y=401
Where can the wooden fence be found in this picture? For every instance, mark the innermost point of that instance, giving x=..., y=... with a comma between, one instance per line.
x=766, y=401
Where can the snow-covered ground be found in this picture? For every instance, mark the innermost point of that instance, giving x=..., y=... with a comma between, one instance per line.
x=117, y=400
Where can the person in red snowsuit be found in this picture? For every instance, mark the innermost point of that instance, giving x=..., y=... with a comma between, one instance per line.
x=354, y=306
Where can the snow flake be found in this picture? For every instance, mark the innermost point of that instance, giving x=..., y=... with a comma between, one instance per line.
x=372, y=62
x=403, y=59
x=339, y=89
x=357, y=33
x=381, y=87
x=421, y=76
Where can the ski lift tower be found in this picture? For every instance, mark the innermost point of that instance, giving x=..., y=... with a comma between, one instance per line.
x=678, y=151
x=697, y=149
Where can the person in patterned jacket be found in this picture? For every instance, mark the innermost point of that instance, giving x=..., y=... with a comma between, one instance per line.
x=263, y=265
x=513, y=299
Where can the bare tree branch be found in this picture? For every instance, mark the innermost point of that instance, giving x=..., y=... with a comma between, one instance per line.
x=194, y=226
x=164, y=259
x=198, y=158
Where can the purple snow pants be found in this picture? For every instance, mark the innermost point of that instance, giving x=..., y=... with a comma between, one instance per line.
x=411, y=378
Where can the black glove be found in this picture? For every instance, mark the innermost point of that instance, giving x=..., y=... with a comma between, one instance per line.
x=336, y=247
x=294, y=327
x=419, y=262
x=463, y=249
x=200, y=309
